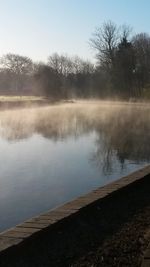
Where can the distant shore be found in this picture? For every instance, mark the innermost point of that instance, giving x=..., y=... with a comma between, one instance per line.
x=8, y=102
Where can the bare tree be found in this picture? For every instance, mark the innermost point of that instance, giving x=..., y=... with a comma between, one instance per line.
x=53, y=62
x=104, y=41
x=79, y=65
x=18, y=66
x=62, y=64
x=125, y=32
x=16, y=63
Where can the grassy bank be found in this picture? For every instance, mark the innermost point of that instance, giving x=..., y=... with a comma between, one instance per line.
x=7, y=102
x=4, y=98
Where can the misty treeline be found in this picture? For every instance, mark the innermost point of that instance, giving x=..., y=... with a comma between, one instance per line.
x=122, y=69
x=62, y=77
x=123, y=61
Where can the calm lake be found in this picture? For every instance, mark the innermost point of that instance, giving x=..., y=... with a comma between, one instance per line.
x=50, y=155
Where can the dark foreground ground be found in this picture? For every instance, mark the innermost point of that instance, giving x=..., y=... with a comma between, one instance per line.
x=112, y=232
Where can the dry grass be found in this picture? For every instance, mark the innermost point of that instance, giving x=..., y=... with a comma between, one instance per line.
x=4, y=98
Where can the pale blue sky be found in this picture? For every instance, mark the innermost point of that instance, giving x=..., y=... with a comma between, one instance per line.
x=37, y=28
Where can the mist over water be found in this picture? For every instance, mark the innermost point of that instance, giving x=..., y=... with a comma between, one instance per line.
x=50, y=155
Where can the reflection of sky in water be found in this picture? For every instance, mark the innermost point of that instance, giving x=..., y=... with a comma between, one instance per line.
x=38, y=173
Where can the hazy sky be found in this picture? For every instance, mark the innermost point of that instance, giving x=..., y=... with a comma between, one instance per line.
x=37, y=28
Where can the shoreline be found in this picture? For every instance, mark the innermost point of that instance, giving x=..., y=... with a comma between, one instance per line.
x=28, y=102
x=94, y=222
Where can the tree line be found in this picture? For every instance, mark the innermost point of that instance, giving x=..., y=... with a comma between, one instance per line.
x=122, y=69
x=123, y=60
x=61, y=77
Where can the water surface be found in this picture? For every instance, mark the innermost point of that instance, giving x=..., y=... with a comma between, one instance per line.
x=50, y=155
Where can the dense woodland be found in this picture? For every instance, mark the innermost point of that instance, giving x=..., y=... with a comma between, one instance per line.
x=122, y=69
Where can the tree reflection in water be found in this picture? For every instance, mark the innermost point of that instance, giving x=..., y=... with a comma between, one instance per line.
x=122, y=130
